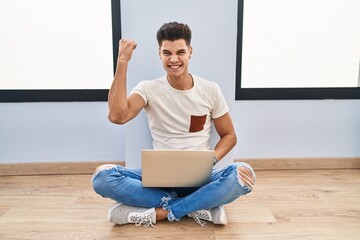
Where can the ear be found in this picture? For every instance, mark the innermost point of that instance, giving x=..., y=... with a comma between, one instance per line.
x=190, y=51
x=159, y=51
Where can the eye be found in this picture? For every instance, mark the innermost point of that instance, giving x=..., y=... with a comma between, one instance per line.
x=166, y=53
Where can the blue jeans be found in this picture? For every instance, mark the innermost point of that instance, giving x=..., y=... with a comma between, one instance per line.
x=124, y=185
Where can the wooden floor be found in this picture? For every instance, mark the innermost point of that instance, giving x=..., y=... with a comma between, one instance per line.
x=294, y=204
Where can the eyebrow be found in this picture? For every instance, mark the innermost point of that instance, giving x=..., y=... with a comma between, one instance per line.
x=168, y=51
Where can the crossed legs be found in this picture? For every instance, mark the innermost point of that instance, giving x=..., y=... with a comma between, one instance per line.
x=124, y=185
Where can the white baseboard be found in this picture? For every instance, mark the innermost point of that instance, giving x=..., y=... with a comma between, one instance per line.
x=10, y=169
x=17, y=169
x=302, y=163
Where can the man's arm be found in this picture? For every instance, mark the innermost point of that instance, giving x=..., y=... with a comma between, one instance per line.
x=123, y=108
x=225, y=129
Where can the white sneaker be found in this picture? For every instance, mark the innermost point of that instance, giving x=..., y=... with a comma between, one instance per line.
x=122, y=214
x=215, y=215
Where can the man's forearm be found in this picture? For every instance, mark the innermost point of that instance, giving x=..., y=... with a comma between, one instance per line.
x=117, y=99
x=225, y=144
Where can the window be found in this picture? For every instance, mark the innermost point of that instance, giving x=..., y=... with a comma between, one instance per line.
x=49, y=53
x=296, y=49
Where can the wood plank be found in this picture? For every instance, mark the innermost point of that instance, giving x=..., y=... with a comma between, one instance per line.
x=286, y=204
x=289, y=231
x=241, y=211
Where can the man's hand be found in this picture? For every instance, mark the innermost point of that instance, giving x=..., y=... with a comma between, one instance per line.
x=126, y=49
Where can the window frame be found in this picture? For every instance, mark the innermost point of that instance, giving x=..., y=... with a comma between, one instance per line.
x=69, y=95
x=282, y=93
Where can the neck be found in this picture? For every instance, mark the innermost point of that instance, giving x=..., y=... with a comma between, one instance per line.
x=184, y=82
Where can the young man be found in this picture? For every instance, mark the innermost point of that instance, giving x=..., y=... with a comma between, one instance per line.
x=180, y=108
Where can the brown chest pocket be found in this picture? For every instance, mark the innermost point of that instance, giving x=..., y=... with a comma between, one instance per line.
x=197, y=123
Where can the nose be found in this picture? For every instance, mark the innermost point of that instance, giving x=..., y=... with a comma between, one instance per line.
x=173, y=58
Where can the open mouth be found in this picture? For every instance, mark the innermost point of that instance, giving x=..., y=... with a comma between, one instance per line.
x=174, y=66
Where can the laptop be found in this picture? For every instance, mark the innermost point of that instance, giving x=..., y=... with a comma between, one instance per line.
x=176, y=168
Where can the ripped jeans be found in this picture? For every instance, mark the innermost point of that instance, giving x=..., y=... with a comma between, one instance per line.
x=124, y=185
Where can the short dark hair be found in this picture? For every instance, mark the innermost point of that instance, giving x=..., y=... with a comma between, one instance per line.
x=173, y=31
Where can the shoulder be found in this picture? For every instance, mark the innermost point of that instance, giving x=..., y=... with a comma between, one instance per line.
x=148, y=89
x=151, y=87
x=155, y=83
x=206, y=86
x=202, y=82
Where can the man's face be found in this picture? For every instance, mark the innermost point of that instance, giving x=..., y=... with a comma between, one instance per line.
x=175, y=57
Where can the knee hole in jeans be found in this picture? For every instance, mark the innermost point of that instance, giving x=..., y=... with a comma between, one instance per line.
x=104, y=167
x=245, y=176
x=100, y=169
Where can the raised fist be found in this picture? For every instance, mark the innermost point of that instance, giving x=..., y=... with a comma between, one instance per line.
x=126, y=48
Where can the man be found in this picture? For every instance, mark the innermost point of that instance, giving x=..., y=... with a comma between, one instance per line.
x=180, y=108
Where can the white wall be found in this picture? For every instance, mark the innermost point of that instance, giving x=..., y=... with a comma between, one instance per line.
x=265, y=129
x=56, y=45
x=45, y=132
x=58, y=132
x=213, y=24
x=311, y=128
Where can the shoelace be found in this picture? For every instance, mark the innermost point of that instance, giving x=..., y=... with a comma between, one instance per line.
x=199, y=216
x=143, y=218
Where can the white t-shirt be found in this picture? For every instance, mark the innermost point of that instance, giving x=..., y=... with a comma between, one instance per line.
x=181, y=119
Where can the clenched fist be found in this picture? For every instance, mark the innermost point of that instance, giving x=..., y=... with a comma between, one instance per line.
x=126, y=48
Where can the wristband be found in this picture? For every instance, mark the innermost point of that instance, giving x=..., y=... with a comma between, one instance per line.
x=215, y=160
